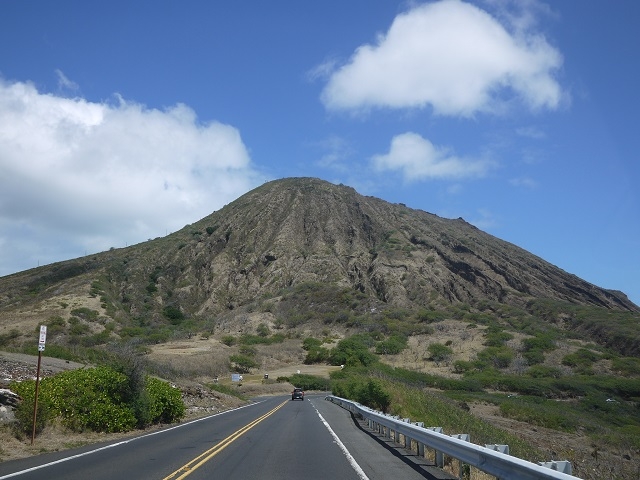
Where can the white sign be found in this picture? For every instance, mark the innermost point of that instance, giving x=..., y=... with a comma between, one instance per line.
x=43, y=334
x=41, y=347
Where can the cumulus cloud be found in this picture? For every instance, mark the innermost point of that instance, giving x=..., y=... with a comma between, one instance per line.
x=418, y=159
x=77, y=175
x=452, y=56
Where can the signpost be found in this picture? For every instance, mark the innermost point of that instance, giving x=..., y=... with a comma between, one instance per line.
x=41, y=343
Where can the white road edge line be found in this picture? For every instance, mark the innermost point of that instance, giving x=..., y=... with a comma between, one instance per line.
x=350, y=458
x=66, y=459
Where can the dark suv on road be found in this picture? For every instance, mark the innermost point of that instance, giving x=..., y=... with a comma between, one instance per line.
x=297, y=393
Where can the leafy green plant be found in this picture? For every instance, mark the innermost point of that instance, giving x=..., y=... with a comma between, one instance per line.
x=242, y=363
x=353, y=350
x=628, y=366
x=439, y=352
x=310, y=382
x=228, y=340
x=100, y=399
x=174, y=314
x=392, y=346
x=499, y=357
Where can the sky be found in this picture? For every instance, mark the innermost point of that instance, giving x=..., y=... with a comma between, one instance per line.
x=124, y=121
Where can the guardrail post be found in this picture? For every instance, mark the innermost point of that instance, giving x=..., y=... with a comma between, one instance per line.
x=498, y=448
x=439, y=457
x=465, y=437
x=563, y=466
x=420, y=444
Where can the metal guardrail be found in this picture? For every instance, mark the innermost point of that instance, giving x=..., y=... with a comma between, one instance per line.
x=489, y=460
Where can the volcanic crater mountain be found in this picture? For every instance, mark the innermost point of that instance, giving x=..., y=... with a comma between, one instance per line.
x=297, y=231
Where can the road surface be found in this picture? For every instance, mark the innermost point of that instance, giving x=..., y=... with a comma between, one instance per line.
x=273, y=438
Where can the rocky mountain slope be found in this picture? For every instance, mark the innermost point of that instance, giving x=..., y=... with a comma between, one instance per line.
x=294, y=231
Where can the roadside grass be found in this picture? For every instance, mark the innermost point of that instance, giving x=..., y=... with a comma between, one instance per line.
x=436, y=410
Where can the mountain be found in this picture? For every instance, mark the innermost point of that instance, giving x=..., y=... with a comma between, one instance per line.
x=304, y=231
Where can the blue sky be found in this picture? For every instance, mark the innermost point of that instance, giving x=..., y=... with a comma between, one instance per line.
x=123, y=121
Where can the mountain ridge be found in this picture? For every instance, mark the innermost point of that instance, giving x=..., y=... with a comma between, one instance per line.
x=294, y=230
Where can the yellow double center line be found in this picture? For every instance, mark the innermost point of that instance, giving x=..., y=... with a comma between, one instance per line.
x=203, y=458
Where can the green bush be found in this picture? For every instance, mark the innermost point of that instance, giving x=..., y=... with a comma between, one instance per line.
x=392, y=346
x=499, y=357
x=24, y=415
x=317, y=355
x=242, y=363
x=542, y=371
x=627, y=366
x=439, y=352
x=165, y=401
x=228, y=340
x=581, y=361
x=100, y=399
x=496, y=338
x=310, y=382
x=263, y=330
x=310, y=343
x=353, y=351
x=174, y=314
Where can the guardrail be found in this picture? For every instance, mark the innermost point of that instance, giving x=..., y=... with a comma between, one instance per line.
x=490, y=459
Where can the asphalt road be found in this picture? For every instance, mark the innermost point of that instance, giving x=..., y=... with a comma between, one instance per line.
x=273, y=438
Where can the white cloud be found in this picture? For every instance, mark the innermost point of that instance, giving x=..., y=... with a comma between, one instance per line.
x=64, y=82
x=418, y=159
x=77, y=175
x=452, y=56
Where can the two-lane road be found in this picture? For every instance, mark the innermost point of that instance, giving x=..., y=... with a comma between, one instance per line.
x=273, y=438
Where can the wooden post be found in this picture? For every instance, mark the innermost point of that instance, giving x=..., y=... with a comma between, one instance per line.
x=35, y=398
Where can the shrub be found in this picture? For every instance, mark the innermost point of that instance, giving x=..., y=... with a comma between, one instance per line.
x=24, y=414
x=439, y=352
x=533, y=357
x=392, y=346
x=353, y=351
x=317, y=355
x=165, y=401
x=462, y=366
x=242, y=363
x=310, y=382
x=627, y=366
x=499, y=357
x=496, y=338
x=263, y=330
x=174, y=314
x=99, y=399
x=373, y=395
x=310, y=342
x=581, y=361
x=542, y=371
x=228, y=340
